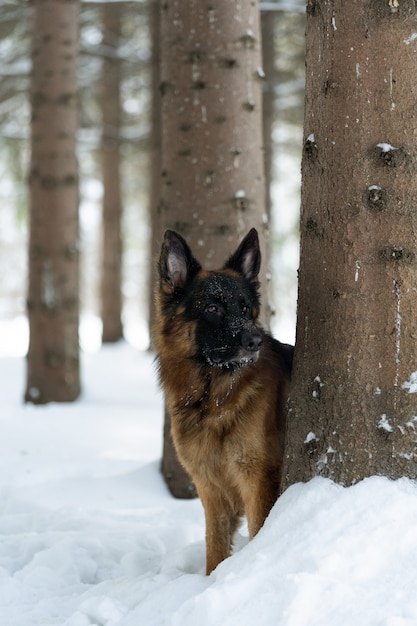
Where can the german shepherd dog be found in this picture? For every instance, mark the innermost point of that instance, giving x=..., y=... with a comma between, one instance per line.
x=226, y=382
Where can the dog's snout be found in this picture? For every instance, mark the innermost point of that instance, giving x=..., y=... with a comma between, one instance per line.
x=251, y=340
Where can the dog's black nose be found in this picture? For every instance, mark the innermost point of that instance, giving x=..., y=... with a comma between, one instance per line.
x=251, y=340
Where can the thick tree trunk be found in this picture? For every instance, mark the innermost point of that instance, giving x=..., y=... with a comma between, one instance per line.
x=353, y=407
x=111, y=267
x=53, y=358
x=212, y=185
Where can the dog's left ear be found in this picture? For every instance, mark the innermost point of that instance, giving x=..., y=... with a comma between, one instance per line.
x=176, y=263
x=247, y=258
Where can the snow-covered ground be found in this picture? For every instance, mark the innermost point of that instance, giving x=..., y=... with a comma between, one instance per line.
x=89, y=534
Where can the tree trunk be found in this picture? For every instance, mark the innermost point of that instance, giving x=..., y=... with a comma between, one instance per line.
x=268, y=99
x=353, y=408
x=155, y=152
x=111, y=264
x=53, y=358
x=212, y=186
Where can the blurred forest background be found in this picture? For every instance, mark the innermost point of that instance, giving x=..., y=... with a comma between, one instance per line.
x=283, y=42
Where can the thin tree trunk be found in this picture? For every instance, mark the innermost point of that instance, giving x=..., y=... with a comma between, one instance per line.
x=212, y=184
x=353, y=405
x=111, y=276
x=53, y=358
x=177, y=479
x=268, y=100
x=156, y=143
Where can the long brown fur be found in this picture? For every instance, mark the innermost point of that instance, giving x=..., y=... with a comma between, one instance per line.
x=227, y=422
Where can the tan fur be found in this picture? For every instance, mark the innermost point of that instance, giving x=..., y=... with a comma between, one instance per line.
x=226, y=383
x=227, y=430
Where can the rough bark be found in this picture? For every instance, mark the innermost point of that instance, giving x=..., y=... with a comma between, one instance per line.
x=111, y=263
x=212, y=173
x=53, y=358
x=176, y=477
x=155, y=157
x=212, y=187
x=268, y=99
x=353, y=407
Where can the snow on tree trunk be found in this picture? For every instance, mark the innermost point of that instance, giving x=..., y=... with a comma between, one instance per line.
x=212, y=184
x=53, y=358
x=353, y=406
x=111, y=264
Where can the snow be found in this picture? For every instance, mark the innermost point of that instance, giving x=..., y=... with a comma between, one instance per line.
x=385, y=147
x=384, y=424
x=90, y=536
x=411, y=384
x=410, y=39
x=310, y=437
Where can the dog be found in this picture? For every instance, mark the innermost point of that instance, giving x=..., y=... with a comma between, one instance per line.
x=226, y=383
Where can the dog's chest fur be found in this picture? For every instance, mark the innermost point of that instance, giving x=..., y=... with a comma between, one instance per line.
x=220, y=422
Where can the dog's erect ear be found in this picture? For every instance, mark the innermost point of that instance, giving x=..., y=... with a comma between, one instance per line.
x=247, y=258
x=176, y=263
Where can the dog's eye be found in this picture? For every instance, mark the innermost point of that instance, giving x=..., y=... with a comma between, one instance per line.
x=244, y=308
x=213, y=309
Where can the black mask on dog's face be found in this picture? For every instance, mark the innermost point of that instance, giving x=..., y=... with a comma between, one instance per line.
x=225, y=309
x=224, y=305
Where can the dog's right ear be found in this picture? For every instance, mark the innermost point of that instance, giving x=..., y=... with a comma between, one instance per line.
x=176, y=262
x=247, y=258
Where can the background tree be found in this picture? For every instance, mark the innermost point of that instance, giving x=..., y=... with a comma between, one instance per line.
x=212, y=165
x=284, y=96
x=53, y=358
x=135, y=149
x=111, y=253
x=213, y=187
x=268, y=99
x=133, y=146
x=353, y=409
x=155, y=152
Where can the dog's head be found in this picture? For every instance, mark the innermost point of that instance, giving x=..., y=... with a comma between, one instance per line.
x=222, y=305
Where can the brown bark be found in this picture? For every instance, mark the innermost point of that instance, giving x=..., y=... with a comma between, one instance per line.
x=268, y=99
x=212, y=172
x=212, y=148
x=155, y=159
x=111, y=276
x=53, y=358
x=176, y=477
x=352, y=410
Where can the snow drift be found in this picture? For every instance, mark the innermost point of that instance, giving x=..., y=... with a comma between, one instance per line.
x=89, y=534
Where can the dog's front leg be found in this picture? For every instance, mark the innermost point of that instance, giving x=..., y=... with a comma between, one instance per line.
x=222, y=522
x=259, y=499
